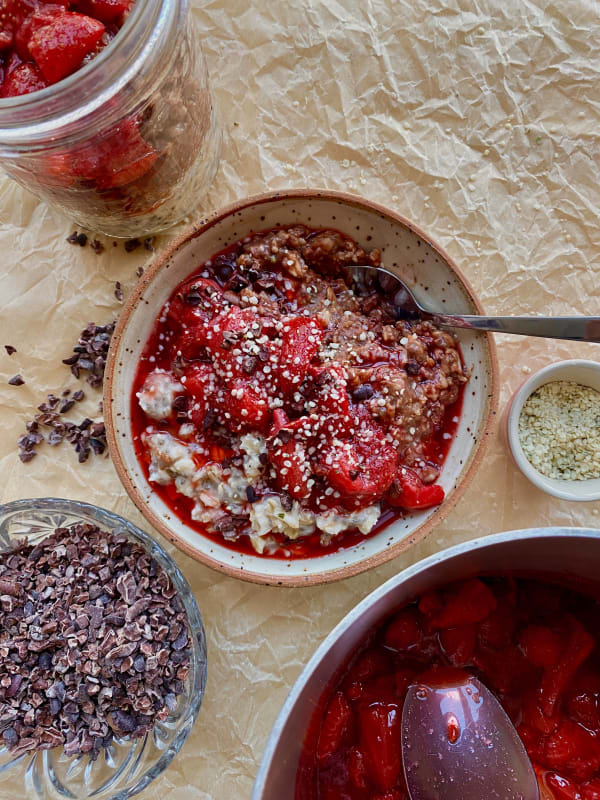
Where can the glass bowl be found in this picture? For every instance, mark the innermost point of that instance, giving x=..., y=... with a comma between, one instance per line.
x=128, y=765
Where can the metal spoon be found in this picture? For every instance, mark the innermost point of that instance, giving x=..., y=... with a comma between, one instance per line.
x=459, y=744
x=579, y=329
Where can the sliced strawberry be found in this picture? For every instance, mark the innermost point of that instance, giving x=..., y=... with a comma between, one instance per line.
x=105, y=10
x=360, y=469
x=562, y=788
x=373, y=662
x=465, y=604
x=202, y=384
x=431, y=603
x=535, y=719
x=292, y=466
x=583, y=708
x=328, y=389
x=496, y=631
x=244, y=406
x=300, y=340
x=591, y=790
x=542, y=646
x=41, y=17
x=407, y=491
x=556, y=678
x=458, y=644
x=24, y=79
x=403, y=678
x=380, y=742
x=59, y=47
x=357, y=769
x=337, y=724
x=121, y=156
x=404, y=632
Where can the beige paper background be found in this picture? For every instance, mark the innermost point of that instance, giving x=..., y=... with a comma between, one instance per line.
x=479, y=120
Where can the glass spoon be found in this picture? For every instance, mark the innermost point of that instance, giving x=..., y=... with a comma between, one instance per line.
x=459, y=744
x=579, y=329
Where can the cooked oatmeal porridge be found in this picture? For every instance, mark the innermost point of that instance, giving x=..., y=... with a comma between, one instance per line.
x=280, y=405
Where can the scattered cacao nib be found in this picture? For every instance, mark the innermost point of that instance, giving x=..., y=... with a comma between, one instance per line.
x=78, y=673
x=286, y=501
x=90, y=352
x=16, y=380
x=149, y=244
x=77, y=238
x=364, y=392
x=251, y=494
x=10, y=349
x=97, y=246
x=413, y=367
x=119, y=291
x=139, y=272
x=131, y=245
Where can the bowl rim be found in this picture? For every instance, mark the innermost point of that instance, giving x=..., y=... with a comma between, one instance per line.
x=316, y=578
x=481, y=543
x=547, y=374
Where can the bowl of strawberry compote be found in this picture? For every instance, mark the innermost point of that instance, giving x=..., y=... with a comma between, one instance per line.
x=269, y=408
x=519, y=611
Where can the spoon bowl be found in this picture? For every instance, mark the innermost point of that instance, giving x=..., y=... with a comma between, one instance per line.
x=458, y=743
x=578, y=329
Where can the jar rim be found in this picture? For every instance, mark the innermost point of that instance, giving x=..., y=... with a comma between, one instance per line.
x=65, y=108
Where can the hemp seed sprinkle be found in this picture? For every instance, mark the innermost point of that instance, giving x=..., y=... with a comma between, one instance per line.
x=559, y=431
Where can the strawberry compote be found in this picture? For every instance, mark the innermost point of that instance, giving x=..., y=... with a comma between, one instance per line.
x=535, y=645
x=281, y=406
x=43, y=42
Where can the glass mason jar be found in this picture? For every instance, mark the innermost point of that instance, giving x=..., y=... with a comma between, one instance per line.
x=128, y=144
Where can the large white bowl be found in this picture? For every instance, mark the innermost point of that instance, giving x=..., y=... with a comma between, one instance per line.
x=406, y=250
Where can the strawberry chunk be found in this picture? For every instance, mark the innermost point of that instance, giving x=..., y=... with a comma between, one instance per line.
x=583, y=708
x=357, y=769
x=407, y=491
x=336, y=726
x=41, y=17
x=292, y=466
x=244, y=407
x=201, y=383
x=556, y=678
x=300, y=340
x=360, y=469
x=542, y=646
x=380, y=742
x=465, y=604
x=105, y=10
x=24, y=79
x=329, y=389
x=404, y=632
x=562, y=788
x=591, y=790
x=496, y=631
x=59, y=47
x=121, y=156
x=458, y=644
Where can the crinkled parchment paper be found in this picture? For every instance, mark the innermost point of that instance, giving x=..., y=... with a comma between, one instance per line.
x=479, y=120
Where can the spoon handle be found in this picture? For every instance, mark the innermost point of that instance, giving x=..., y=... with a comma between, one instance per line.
x=578, y=329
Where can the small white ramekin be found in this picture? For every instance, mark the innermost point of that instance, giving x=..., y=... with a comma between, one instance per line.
x=586, y=373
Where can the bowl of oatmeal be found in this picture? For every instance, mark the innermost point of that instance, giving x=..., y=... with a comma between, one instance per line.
x=268, y=408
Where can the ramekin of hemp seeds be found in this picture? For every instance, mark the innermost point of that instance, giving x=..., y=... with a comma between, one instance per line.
x=553, y=429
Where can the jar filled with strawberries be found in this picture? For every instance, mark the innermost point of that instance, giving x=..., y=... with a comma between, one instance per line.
x=106, y=111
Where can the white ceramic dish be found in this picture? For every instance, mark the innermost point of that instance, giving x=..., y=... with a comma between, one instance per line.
x=586, y=373
x=437, y=282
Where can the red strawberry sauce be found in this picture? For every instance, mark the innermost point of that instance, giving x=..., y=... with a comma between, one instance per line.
x=535, y=645
x=356, y=410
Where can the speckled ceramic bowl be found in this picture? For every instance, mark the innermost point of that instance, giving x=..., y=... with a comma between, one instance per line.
x=421, y=263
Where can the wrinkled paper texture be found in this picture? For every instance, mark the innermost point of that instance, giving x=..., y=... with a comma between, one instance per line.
x=480, y=121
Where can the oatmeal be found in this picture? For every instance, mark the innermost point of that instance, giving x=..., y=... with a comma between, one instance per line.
x=279, y=402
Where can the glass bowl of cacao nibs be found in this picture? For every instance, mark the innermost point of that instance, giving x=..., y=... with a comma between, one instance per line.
x=102, y=653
